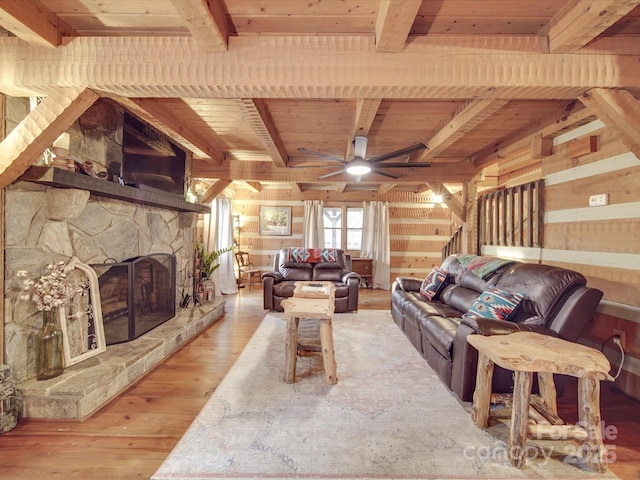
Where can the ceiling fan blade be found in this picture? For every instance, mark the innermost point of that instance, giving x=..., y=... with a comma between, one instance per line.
x=327, y=175
x=402, y=164
x=398, y=153
x=384, y=174
x=322, y=155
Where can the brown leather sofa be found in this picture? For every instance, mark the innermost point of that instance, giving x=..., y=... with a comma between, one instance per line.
x=556, y=302
x=278, y=285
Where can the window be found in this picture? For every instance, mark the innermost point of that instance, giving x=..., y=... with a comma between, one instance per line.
x=340, y=234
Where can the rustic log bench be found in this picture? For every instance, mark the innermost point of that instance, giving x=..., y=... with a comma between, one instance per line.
x=526, y=353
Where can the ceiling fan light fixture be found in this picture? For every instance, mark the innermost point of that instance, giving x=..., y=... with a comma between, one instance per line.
x=358, y=167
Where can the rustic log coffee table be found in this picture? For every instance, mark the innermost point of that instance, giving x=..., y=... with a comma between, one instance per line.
x=526, y=353
x=311, y=300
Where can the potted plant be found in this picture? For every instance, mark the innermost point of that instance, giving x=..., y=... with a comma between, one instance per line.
x=209, y=260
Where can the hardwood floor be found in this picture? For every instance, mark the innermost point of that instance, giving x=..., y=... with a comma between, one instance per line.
x=131, y=436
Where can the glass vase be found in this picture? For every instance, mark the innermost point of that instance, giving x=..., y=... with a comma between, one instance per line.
x=49, y=358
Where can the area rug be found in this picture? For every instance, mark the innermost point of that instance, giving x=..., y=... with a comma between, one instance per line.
x=389, y=416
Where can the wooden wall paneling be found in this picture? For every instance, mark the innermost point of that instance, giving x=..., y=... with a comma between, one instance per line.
x=419, y=266
x=609, y=145
x=622, y=186
x=615, y=236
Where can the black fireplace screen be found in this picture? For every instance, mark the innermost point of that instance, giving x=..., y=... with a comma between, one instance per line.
x=136, y=295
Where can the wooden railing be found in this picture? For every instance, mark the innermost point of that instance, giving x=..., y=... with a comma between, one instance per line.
x=512, y=216
x=454, y=245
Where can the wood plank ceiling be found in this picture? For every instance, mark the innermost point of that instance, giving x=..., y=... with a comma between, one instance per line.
x=244, y=83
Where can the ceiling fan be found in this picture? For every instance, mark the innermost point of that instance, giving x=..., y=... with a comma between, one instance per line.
x=360, y=165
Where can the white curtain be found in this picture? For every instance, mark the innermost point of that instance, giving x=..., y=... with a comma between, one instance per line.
x=218, y=233
x=313, y=233
x=376, y=242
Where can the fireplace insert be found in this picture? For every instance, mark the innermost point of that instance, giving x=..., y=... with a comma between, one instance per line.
x=136, y=295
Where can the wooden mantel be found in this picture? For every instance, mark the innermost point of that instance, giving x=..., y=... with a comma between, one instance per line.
x=57, y=177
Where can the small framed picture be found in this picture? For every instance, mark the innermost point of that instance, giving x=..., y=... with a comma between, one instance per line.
x=275, y=221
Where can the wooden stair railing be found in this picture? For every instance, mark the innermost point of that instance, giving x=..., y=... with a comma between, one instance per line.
x=454, y=245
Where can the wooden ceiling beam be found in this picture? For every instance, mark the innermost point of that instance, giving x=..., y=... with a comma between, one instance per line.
x=580, y=21
x=619, y=110
x=569, y=116
x=449, y=200
x=255, y=67
x=257, y=114
x=216, y=189
x=207, y=22
x=469, y=117
x=386, y=187
x=366, y=109
x=40, y=128
x=267, y=172
x=164, y=118
x=255, y=187
x=393, y=23
x=34, y=23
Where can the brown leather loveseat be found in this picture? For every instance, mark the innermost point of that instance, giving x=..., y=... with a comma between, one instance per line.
x=556, y=301
x=310, y=264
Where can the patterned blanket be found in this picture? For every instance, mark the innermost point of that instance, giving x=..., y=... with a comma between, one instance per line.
x=312, y=255
x=483, y=267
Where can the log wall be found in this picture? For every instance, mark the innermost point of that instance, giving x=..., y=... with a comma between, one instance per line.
x=418, y=228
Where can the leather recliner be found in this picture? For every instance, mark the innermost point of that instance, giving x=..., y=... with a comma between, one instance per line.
x=279, y=284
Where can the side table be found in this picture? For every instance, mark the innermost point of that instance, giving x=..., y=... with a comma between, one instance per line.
x=526, y=353
x=311, y=300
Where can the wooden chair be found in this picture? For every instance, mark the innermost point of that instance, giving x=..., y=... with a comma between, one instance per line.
x=246, y=269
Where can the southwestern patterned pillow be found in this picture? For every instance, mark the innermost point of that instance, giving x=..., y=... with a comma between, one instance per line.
x=432, y=284
x=495, y=304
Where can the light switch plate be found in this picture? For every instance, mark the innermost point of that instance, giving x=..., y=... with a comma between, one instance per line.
x=598, y=200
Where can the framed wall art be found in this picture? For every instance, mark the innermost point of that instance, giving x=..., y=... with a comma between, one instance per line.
x=275, y=221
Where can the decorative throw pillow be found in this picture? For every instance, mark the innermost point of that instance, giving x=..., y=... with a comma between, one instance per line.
x=495, y=304
x=432, y=284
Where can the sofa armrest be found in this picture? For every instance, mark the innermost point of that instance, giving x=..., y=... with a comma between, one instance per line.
x=408, y=284
x=349, y=276
x=465, y=357
x=276, y=276
x=352, y=279
x=487, y=326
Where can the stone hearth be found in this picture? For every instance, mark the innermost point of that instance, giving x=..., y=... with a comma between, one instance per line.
x=85, y=387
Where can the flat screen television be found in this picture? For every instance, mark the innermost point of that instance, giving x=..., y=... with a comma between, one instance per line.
x=150, y=159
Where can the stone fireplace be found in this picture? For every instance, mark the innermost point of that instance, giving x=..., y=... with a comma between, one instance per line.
x=52, y=215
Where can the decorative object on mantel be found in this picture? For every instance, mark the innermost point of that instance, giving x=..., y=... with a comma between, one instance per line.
x=49, y=292
x=10, y=400
x=61, y=152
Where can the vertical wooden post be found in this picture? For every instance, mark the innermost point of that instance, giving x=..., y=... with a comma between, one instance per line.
x=540, y=213
x=593, y=449
x=291, y=349
x=482, y=393
x=519, y=418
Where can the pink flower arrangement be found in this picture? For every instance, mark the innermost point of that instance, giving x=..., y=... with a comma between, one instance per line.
x=51, y=290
